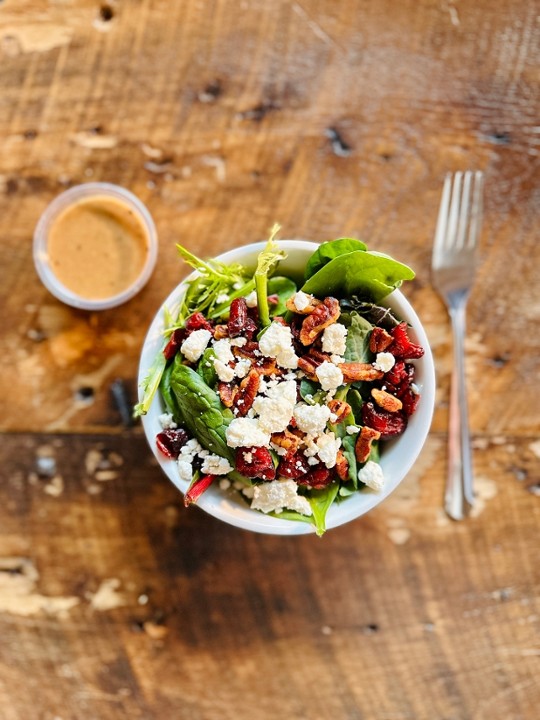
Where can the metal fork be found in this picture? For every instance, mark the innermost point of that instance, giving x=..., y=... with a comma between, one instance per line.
x=453, y=269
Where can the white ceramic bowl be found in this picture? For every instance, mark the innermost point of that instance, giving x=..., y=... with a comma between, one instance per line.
x=397, y=456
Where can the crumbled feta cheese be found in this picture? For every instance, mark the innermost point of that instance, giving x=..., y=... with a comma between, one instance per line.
x=222, y=350
x=238, y=341
x=216, y=465
x=242, y=367
x=328, y=446
x=384, y=361
x=224, y=372
x=251, y=299
x=167, y=422
x=246, y=432
x=248, y=457
x=337, y=359
x=281, y=451
x=278, y=495
x=222, y=298
x=237, y=285
x=372, y=475
x=311, y=419
x=334, y=339
x=329, y=375
x=224, y=484
x=276, y=409
x=301, y=300
x=192, y=447
x=313, y=460
x=277, y=343
x=247, y=491
x=185, y=469
x=352, y=429
x=195, y=344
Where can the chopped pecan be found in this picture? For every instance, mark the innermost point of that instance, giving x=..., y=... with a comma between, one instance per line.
x=268, y=366
x=322, y=316
x=342, y=465
x=379, y=340
x=227, y=393
x=364, y=439
x=247, y=351
x=386, y=400
x=313, y=302
x=354, y=371
x=287, y=440
x=340, y=409
x=247, y=392
x=221, y=332
x=311, y=361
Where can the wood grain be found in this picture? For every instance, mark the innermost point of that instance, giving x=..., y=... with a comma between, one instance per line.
x=224, y=117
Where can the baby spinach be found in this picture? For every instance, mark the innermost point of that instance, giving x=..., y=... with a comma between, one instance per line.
x=169, y=398
x=284, y=288
x=206, y=368
x=357, y=343
x=320, y=501
x=204, y=415
x=329, y=250
x=348, y=442
x=368, y=275
x=375, y=314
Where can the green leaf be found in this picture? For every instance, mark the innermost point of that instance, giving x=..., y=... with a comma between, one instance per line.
x=375, y=314
x=354, y=398
x=329, y=250
x=372, y=277
x=266, y=264
x=348, y=442
x=150, y=384
x=320, y=501
x=291, y=515
x=204, y=415
x=284, y=288
x=168, y=396
x=206, y=368
x=357, y=343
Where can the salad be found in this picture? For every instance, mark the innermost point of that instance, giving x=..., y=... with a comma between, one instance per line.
x=283, y=389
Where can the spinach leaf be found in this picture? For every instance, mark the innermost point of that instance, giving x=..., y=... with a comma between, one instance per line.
x=370, y=276
x=169, y=398
x=375, y=314
x=284, y=288
x=348, y=443
x=204, y=415
x=291, y=515
x=329, y=250
x=206, y=368
x=320, y=501
x=354, y=398
x=357, y=343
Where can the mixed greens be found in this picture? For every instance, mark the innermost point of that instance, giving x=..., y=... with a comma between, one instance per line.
x=281, y=389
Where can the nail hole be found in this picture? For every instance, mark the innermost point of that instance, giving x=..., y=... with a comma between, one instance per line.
x=339, y=146
x=85, y=393
x=106, y=13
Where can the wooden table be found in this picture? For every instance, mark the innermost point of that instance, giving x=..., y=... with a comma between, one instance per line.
x=332, y=118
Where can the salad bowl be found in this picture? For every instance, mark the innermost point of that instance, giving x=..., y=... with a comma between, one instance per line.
x=397, y=455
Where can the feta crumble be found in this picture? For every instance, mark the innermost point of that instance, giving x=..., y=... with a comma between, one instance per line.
x=328, y=446
x=222, y=298
x=334, y=339
x=222, y=350
x=276, y=409
x=301, y=300
x=185, y=469
x=251, y=299
x=246, y=432
x=384, y=361
x=279, y=495
x=167, y=422
x=195, y=344
x=352, y=429
x=372, y=475
x=216, y=465
x=242, y=368
x=277, y=343
x=329, y=375
x=224, y=372
x=311, y=419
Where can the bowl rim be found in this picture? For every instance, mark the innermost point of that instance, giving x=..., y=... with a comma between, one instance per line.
x=345, y=511
x=51, y=212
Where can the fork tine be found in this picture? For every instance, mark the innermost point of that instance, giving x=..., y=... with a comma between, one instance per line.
x=464, y=210
x=442, y=220
x=454, y=211
x=476, y=211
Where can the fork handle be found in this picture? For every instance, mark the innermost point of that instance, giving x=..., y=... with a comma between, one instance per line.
x=459, y=496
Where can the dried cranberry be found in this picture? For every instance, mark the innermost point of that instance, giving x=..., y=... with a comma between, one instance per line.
x=253, y=313
x=410, y=401
x=250, y=328
x=197, y=321
x=170, y=441
x=293, y=466
x=318, y=478
x=396, y=374
x=238, y=317
x=255, y=462
x=173, y=346
x=402, y=347
x=197, y=489
x=387, y=423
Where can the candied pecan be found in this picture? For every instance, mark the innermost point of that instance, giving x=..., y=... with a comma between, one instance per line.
x=308, y=366
x=342, y=465
x=317, y=478
x=197, y=321
x=247, y=351
x=402, y=347
x=354, y=371
x=322, y=316
x=173, y=346
x=313, y=302
x=386, y=400
x=379, y=340
x=221, y=332
x=227, y=393
x=388, y=424
x=247, y=391
x=238, y=317
x=268, y=366
x=340, y=408
x=255, y=462
x=197, y=489
x=318, y=356
x=362, y=447
x=293, y=466
x=170, y=441
x=287, y=440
